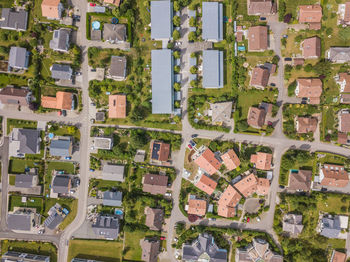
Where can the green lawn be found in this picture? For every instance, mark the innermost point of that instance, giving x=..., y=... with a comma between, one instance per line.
x=330, y=158
x=108, y=251
x=292, y=5
x=18, y=123
x=18, y=165
x=69, y=203
x=67, y=167
x=32, y=202
x=64, y=130
x=12, y=180
x=40, y=248
x=132, y=249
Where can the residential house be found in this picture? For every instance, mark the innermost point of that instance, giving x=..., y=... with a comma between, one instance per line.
x=261, y=7
x=261, y=160
x=161, y=20
x=331, y=226
x=117, y=106
x=106, y=226
x=256, y=117
x=117, y=69
x=345, y=98
x=344, y=13
x=231, y=160
x=197, y=207
x=61, y=72
x=260, y=77
x=112, y=199
x=61, y=147
x=60, y=40
x=24, y=141
x=258, y=250
x=105, y=143
x=26, y=180
x=212, y=21
x=155, y=184
x=113, y=172
x=311, y=47
x=140, y=156
x=61, y=185
x=14, y=20
x=15, y=96
x=24, y=257
x=247, y=186
x=206, y=184
x=62, y=101
x=300, y=180
x=23, y=220
x=333, y=175
x=18, y=58
x=228, y=202
x=257, y=38
x=213, y=69
x=338, y=55
x=311, y=14
x=305, y=125
x=263, y=186
x=342, y=138
x=336, y=255
x=162, y=79
x=206, y=160
x=56, y=216
x=221, y=113
x=292, y=224
x=310, y=88
x=343, y=80
x=160, y=151
x=203, y=246
x=114, y=33
x=154, y=218
x=344, y=121
x=150, y=250
x=112, y=2
x=52, y=9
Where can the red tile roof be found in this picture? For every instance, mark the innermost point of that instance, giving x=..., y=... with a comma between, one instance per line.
x=310, y=14
x=338, y=256
x=311, y=88
x=261, y=160
x=306, y=125
x=155, y=184
x=334, y=175
x=345, y=78
x=206, y=184
x=260, y=77
x=256, y=117
x=347, y=12
x=263, y=186
x=344, y=122
x=247, y=186
x=208, y=162
x=300, y=181
x=312, y=47
x=50, y=8
x=197, y=207
x=62, y=101
x=231, y=160
x=257, y=38
x=228, y=202
x=117, y=106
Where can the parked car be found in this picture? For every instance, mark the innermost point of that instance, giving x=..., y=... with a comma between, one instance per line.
x=323, y=189
x=92, y=4
x=59, y=113
x=282, y=187
x=273, y=84
x=68, y=158
x=248, y=219
x=64, y=112
x=288, y=59
x=194, y=135
x=92, y=170
x=193, y=144
x=189, y=146
x=162, y=238
x=262, y=18
x=212, y=219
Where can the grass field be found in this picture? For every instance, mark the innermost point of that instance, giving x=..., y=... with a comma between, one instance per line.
x=18, y=165
x=17, y=123
x=40, y=248
x=32, y=202
x=108, y=251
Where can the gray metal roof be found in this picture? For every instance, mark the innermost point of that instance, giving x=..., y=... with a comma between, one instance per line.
x=114, y=32
x=113, y=199
x=118, y=66
x=19, y=57
x=24, y=181
x=106, y=226
x=61, y=184
x=60, y=147
x=113, y=173
x=162, y=81
x=330, y=227
x=212, y=20
x=204, y=244
x=29, y=140
x=60, y=40
x=59, y=71
x=161, y=19
x=53, y=220
x=213, y=69
x=14, y=20
x=339, y=54
x=19, y=222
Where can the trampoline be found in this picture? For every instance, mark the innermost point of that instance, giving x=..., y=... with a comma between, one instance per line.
x=96, y=25
x=115, y=20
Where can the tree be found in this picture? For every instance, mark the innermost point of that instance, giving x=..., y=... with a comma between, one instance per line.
x=323, y=67
x=138, y=138
x=308, y=68
x=176, y=6
x=192, y=37
x=176, y=21
x=291, y=88
x=194, y=83
x=281, y=10
x=242, y=125
x=176, y=35
x=193, y=22
x=177, y=86
x=176, y=54
x=176, y=69
x=193, y=70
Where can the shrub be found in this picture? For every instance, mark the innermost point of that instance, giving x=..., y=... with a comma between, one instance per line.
x=291, y=88
x=308, y=68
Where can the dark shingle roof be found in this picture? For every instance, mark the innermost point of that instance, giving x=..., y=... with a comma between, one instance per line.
x=19, y=221
x=19, y=57
x=61, y=184
x=14, y=20
x=59, y=71
x=24, y=181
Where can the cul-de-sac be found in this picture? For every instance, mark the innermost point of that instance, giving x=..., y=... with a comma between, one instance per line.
x=174, y=130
